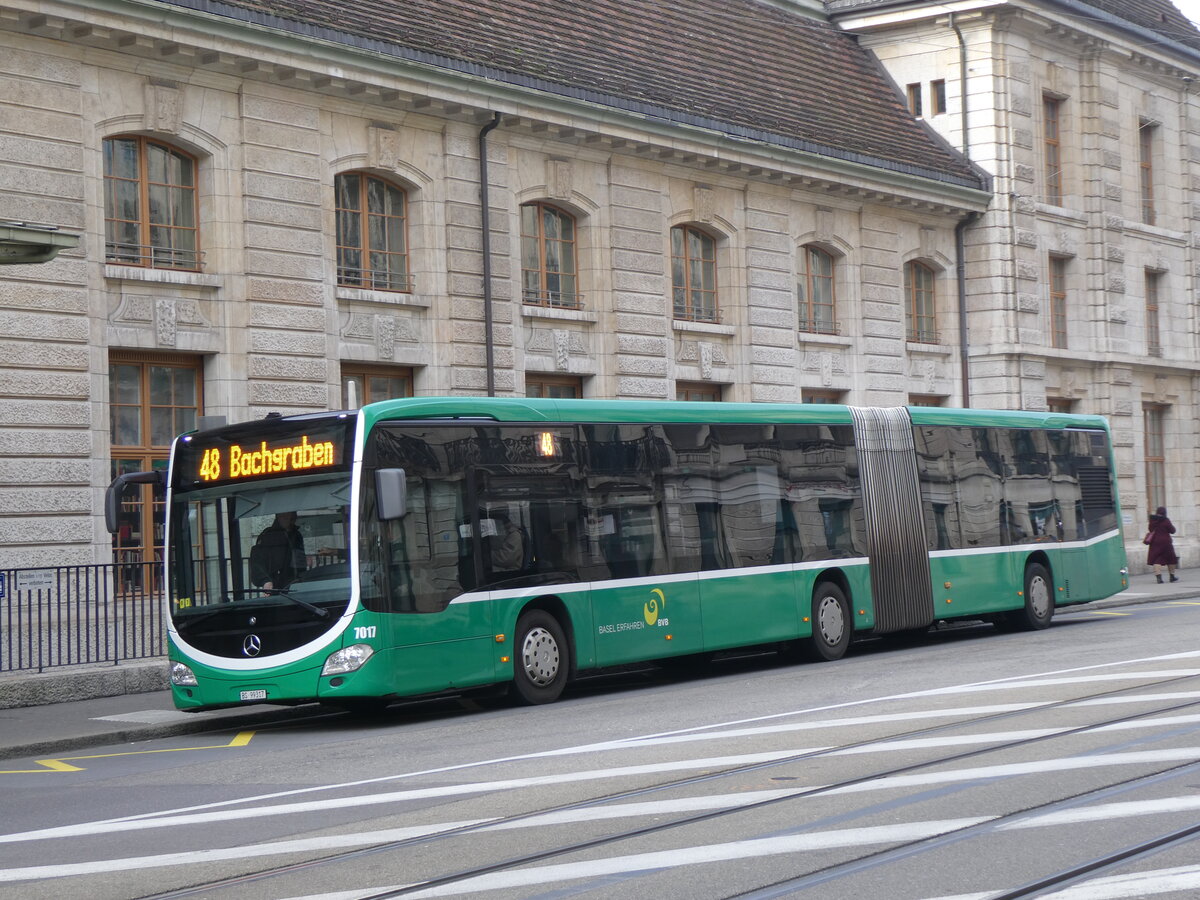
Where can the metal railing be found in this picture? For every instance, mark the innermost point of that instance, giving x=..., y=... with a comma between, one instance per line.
x=80, y=615
x=152, y=257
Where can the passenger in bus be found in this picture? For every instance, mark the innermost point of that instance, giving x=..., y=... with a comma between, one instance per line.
x=507, y=548
x=278, y=555
x=1161, y=550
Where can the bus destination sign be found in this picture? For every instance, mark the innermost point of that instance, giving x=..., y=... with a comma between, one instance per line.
x=265, y=459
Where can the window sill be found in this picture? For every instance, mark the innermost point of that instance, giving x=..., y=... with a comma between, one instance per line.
x=702, y=327
x=928, y=349
x=162, y=276
x=1156, y=231
x=384, y=298
x=530, y=311
x=827, y=340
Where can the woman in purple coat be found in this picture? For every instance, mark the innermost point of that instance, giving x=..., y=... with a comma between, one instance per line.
x=1162, y=547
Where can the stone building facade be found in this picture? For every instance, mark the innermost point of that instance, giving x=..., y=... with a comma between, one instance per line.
x=1082, y=274
x=254, y=131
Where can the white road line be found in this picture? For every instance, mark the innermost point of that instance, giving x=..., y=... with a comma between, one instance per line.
x=445, y=791
x=450, y=790
x=1111, y=887
x=524, y=877
x=194, y=857
x=1107, y=812
x=605, y=745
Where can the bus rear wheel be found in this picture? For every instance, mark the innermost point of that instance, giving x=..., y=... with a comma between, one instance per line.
x=1039, y=601
x=831, y=624
x=542, y=658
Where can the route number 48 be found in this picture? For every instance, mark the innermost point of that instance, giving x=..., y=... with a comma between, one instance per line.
x=363, y=631
x=210, y=466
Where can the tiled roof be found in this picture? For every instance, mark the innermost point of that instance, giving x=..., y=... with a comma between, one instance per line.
x=1159, y=16
x=745, y=67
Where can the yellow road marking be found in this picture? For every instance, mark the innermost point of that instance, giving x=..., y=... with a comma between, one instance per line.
x=1184, y=603
x=60, y=764
x=1104, y=612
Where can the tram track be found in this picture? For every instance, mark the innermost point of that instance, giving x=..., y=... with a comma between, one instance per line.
x=708, y=777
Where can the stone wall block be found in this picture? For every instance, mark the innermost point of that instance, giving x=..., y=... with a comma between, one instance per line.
x=44, y=328
x=44, y=500
x=295, y=368
x=308, y=293
x=268, y=393
x=272, y=109
x=269, y=186
x=46, y=472
x=286, y=240
x=285, y=265
x=287, y=317
x=50, y=413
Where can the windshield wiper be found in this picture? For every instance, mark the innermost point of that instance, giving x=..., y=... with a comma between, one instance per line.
x=315, y=610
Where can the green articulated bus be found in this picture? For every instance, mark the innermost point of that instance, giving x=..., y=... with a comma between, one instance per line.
x=425, y=545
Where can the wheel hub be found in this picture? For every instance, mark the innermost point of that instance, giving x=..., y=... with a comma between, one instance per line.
x=539, y=656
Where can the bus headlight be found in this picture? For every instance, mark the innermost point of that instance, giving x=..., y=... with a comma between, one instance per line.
x=182, y=676
x=348, y=659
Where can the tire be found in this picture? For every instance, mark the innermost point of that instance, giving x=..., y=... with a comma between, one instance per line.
x=1039, y=601
x=541, y=658
x=832, y=624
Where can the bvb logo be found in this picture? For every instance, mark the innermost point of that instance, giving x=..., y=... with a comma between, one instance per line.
x=654, y=606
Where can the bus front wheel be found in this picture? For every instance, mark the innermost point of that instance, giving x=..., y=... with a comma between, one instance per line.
x=542, y=658
x=831, y=624
x=1039, y=600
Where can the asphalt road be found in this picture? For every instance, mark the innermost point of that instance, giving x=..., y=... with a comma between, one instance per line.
x=970, y=764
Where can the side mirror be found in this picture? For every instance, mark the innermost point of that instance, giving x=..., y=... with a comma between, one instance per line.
x=112, y=496
x=391, y=494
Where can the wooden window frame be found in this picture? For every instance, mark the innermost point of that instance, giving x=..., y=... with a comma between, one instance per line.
x=366, y=372
x=1052, y=149
x=145, y=506
x=1147, y=133
x=1058, y=302
x=1154, y=445
x=693, y=391
x=937, y=96
x=1153, y=333
x=821, y=396
x=807, y=291
x=540, y=382
x=145, y=253
x=683, y=272
x=542, y=295
x=398, y=279
x=912, y=97
x=921, y=302
x=926, y=400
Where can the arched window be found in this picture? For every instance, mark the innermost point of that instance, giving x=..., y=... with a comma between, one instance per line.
x=920, y=303
x=814, y=289
x=694, y=274
x=548, y=269
x=149, y=204
x=372, y=233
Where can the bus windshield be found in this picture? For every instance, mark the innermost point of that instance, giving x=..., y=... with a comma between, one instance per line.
x=283, y=542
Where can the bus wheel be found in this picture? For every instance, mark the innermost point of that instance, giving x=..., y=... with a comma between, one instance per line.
x=543, y=658
x=1039, y=600
x=831, y=624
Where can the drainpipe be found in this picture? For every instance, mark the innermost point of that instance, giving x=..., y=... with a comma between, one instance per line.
x=960, y=229
x=961, y=273
x=486, y=226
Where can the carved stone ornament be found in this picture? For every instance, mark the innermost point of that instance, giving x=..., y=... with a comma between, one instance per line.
x=559, y=178
x=704, y=204
x=385, y=149
x=164, y=108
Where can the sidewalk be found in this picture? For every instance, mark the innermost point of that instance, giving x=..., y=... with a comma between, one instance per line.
x=120, y=704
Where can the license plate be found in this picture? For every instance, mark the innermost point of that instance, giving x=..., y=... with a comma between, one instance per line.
x=252, y=695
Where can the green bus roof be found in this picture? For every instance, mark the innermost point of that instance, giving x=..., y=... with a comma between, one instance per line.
x=521, y=409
